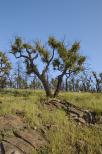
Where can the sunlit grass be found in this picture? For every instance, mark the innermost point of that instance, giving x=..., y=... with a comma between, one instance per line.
x=64, y=135
x=92, y=101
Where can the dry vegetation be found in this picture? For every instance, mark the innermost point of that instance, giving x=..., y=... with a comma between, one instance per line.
x=63, y=135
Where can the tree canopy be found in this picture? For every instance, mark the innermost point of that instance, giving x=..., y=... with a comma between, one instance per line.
x=5, y=67
x=66, y=61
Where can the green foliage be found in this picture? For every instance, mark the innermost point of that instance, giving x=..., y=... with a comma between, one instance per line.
x=43, y=52
x=69, y=59
x=5, y=67
x=56, y=56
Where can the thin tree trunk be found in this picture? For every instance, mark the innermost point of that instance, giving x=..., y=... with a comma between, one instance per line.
x=66, y=84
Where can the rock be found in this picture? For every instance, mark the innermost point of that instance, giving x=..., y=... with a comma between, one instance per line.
x=15, y=138
x=2, y=151
x=90, y=117
x=6, y=148
x=78, y=114
x=15, y=152
x=32, y=137
x=23, y=142
x=9, y=122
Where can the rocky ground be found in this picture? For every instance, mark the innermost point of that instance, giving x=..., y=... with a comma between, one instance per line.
x=16, y=137
x=76, y=113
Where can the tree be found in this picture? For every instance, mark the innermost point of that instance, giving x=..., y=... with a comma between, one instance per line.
x=98, y=81
x=19, y=73
x=36, y=83
x=57, y=56
x=20, y=77
x=5, y=67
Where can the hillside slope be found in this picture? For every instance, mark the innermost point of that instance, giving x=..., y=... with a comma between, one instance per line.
x=28, y=125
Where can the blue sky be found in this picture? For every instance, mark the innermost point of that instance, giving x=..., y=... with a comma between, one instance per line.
x=79, y=20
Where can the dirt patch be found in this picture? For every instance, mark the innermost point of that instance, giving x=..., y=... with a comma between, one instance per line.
x=10, y=122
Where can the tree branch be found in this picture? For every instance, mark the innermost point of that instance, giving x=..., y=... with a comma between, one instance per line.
x=47, y=66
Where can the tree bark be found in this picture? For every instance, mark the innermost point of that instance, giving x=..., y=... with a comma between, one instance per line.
x=47, y=90
x=46, y=86
x=58, y=85
x=60, y=78
x=66, y=84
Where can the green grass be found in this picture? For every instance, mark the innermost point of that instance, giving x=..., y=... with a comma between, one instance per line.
x=65, y=136
x=91, y=101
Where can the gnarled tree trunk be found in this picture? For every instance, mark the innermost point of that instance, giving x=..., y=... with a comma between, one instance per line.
x=58, y=85
x=46, y=86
